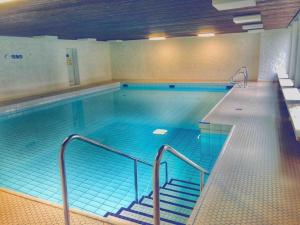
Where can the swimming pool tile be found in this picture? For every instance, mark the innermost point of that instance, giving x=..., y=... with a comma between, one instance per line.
x=103, y=179
x=79, y=205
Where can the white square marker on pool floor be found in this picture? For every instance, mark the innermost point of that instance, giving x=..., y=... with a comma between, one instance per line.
x=160, y=131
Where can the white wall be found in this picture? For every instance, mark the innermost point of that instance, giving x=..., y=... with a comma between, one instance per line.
x=274, y=53
x=293, y=49
x=296, y=60
x=43, y=67
x=186, y=59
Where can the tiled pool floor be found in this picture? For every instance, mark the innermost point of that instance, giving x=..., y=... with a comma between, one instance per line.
x=90, y=187
x=99, y=181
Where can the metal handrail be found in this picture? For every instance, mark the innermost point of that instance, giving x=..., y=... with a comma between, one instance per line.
x=242, y=70
x=161, y=151
x=105, y=147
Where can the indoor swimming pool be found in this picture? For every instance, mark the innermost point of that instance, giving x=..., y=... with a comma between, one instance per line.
x=127, y=119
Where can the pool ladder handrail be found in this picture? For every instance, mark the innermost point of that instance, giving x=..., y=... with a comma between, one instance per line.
x=244, y=71
x=156, y=169
x=105, y=147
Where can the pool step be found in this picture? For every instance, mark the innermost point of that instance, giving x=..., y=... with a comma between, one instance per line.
x=185, y=183
x=182, y=188
x=166, y=206
x=179, y=194
x=177, y=200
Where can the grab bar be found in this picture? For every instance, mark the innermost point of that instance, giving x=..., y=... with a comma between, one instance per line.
x=97, y=144
x=161, y=151
x=242, y=70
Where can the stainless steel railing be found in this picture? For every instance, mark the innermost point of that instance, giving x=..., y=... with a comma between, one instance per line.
x=156, y=169
x=241, y=71
x=105, y=147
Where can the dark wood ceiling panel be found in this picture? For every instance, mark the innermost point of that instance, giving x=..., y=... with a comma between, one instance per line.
x=132, y=19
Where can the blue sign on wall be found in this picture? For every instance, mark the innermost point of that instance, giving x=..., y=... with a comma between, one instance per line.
x=14, y=56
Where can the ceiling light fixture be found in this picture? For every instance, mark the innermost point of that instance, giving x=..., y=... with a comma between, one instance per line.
x=206, y=35
x=87, y=39
x=247, y=19
x=253, y=26
x=4, y=1
x=157, y=38
x=232, y=4
x=256, y=31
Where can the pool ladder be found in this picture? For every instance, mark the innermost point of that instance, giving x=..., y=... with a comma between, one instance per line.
x=241, y=71
x=156, y=172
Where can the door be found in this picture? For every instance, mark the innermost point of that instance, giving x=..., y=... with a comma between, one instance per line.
x=72, y=64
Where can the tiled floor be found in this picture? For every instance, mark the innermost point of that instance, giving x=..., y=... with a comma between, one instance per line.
x=21, y=210
x=257, y=179
x=42, y=95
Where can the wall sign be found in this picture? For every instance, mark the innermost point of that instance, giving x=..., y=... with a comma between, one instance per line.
x=14, y=57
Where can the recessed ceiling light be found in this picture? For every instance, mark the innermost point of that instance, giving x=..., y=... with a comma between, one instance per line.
x=206, y=35
x=253, y=26
x=232, y=4
x=46, y=36
x=247, y=19
x=87, y=39
x=256, y=31
x=157, y=38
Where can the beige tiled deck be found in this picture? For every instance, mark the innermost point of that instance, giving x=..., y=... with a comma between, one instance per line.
x=19, y=209
x=52, y=93
x=257, y=178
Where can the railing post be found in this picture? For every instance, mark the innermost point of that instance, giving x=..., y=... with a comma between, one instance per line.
x=97, y=144
x=156, y=201
x=136, y=181
x=64, y=181
x=202, y=181
x=166, y=172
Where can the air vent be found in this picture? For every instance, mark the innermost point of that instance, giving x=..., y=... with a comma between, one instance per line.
x=253, y=26
x=256, y=31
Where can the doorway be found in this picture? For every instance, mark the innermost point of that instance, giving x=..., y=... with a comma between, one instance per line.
x=72, y=64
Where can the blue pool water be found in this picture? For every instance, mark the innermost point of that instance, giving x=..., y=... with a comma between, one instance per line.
x=125, y=119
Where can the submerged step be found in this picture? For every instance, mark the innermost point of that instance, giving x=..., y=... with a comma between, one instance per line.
x=167, y=206
x=179, y=194
x=176, y=187
x=143, y=217
x=167, y=215
x=185, y=183
x=186, y=186
x=176, y=201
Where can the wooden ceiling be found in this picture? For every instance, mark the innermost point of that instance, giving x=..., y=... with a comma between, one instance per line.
x=132, y=19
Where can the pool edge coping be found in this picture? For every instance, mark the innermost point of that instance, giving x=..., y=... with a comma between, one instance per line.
x=202, y=197
x=199, y=203
x=27, y=104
